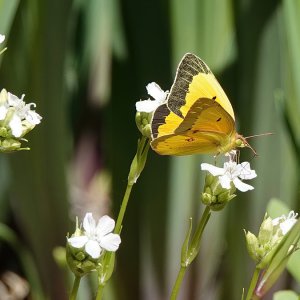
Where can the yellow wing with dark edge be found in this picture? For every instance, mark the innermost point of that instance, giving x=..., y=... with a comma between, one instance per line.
x=198, y=117
x=194, y=80
x=206, y=128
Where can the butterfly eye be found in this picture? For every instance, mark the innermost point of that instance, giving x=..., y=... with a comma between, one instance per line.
x=240, y=143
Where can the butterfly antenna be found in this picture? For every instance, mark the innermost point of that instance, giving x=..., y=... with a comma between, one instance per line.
x=244, y=139
x=253, y=150
x=256, y=135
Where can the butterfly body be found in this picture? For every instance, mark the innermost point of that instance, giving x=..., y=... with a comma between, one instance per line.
x=197, y=117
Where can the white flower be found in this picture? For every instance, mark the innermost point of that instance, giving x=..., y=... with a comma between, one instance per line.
x=149, y=105
x=96, y=237
x=286, y=222
x=232, y=172
x=2, y=38
x=22, y=112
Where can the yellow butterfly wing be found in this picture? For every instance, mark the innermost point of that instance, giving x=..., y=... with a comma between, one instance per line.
x=194, y=80
x=207, y=128
x=198, y=117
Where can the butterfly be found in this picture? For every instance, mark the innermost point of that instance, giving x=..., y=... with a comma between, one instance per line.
x=197, y=116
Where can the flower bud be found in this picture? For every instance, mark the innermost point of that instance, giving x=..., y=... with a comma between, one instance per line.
x=266, y=231
x=79, y=262
x=252, y=245
x=143, y=123
x=139, y=160
x=214, y=195
x=10, y=145
x=271, y=233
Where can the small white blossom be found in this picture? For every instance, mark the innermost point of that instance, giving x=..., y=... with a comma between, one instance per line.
x=22, y=117
x=286, y=222
x=95, y=238
x=232, y=172
x=158, y=95
x=2, y=38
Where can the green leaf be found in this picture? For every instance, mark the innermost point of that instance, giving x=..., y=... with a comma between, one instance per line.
x=185, y=245
x=8, y=9
x=276, y=208
x=293, y=265
x=285, y=295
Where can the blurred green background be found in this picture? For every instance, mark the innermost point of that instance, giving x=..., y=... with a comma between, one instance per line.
x=85, y=63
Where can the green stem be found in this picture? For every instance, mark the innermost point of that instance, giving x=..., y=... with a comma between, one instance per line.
x=193, y=251
x=136, y=168
x=73, y=295
x=117, y=230
x=253, y=285
x=123, y=208
x=198, y=234
x=100, y=292
x=178, y=282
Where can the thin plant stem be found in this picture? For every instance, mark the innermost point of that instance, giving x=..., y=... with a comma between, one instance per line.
x=253, y=284
x=74, y=291
x=123, y=208
x=140, y=159
x=203, y=221
x=193, y=251
x=100, y=292
x=117, y=230
x=178, y=282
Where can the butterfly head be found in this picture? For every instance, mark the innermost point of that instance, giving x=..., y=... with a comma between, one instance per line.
x=241, y=142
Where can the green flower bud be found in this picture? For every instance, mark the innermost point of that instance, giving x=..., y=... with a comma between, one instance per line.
x=143, y=123
x=209, y=179
x=10, y=145
x=79, y=262
x=206, y=198
x=265, y=231
x=214, y=195
x=252, y=245
x=217, y=206
x=139, y=160
x=3, y=132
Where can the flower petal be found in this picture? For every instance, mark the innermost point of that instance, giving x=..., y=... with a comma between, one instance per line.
x=13, y=100
x=3, y=111
x=215, y=171
x=286, y=225
x=78, y=241
x=2, y=38
x=33, y=118
x=225, y=182
x=246, y=172
x=105, y=225
x=240, y=185
x=89, y=224
x=147, y=105
x=15, y=125
x=156, y=92
x=110, y=242
x=93, y=249
x=278, y=220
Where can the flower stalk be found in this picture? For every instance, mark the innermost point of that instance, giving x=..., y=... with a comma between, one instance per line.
x=253, y=284
x=74, y=292
x=190, y=250
x=137, y=166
